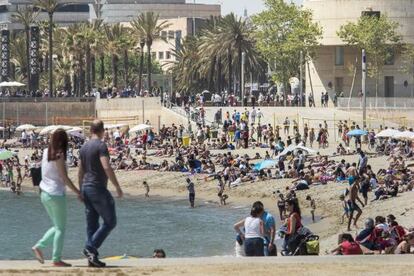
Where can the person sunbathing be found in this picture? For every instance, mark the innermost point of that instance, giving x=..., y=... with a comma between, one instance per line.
x=133, y=165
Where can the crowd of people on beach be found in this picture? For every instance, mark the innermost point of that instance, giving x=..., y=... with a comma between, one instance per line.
x=207, y=154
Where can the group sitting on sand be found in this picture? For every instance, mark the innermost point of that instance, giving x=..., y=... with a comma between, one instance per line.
x=382, y=235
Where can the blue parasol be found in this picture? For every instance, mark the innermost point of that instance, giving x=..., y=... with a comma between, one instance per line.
x=357, y=132
x=265, y=165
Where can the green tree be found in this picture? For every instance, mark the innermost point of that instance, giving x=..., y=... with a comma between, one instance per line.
x=235, y=35
x=49, y=6
x=283, y=31
x=148, y=27
x=26, y=17
x=117, y=39
x=378, y=36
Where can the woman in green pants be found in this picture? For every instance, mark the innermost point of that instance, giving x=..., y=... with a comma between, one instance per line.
x=53, y=196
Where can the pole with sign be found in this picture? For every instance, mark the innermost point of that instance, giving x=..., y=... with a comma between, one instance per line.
x=364, y=94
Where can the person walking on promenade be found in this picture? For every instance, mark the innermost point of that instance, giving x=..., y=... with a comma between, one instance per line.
x=53, y=196
x=94, y=172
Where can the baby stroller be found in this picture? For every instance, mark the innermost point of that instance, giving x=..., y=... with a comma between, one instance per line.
x=302, y=243
x=308, y=246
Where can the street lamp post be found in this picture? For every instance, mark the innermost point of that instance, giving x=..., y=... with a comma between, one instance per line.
x=194, y=23
x=364, y=94
x=301, y=79
x=242, y=76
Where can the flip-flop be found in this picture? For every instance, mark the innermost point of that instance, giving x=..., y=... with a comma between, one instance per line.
x=38, y=255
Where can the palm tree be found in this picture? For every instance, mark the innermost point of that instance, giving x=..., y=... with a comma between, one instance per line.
x=236, y=34
x=141, y=63
x=26, y=17
x=147, y=27
x=226, y=40
x=116, y=40
x=49, y=6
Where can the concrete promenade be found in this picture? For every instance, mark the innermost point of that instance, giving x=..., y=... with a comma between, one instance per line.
x=323, y=265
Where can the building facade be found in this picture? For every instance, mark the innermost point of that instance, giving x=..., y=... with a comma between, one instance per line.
x=110, y=11
x=113, y=11
x=333, y=68
x=73, y=12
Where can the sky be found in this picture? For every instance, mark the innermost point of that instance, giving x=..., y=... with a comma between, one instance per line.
x=237, y=6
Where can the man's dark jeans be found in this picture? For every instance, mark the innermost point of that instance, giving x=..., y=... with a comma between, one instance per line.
x=98, y=203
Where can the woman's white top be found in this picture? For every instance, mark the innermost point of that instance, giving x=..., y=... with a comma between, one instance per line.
x=252, y=228
x=51, y=182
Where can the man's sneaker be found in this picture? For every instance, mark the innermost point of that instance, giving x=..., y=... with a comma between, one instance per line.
x=96, y=263
x=93, y=260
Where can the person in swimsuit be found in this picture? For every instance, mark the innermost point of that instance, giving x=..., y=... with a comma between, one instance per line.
x=281, y=205
x=352, y=201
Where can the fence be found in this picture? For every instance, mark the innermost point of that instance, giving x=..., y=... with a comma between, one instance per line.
x=45, y=111
x=377, y=103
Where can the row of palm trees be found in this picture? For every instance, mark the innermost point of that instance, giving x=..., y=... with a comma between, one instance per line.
x=79, y=46
x=213, y=58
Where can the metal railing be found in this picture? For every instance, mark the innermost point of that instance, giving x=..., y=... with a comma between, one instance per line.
x=375, y=103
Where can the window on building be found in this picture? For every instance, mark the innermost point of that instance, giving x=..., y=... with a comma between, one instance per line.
x=160, y=55
x=153, y=55
x=339, y=56
x=376, y=14
x=170, y=34
x=164, y=35
x=168, y=55
x=390, y=57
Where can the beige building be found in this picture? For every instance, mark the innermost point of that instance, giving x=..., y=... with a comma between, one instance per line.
x=179, y=28
x=332, y=69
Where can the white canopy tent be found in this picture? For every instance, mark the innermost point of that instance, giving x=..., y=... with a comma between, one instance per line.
x=386, y=133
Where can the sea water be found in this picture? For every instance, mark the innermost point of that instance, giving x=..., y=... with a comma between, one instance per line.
x=143, y=225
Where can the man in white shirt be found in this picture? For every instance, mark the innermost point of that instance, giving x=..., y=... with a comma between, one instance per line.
x=24, y=138
x=253, y=116
x=117, y=134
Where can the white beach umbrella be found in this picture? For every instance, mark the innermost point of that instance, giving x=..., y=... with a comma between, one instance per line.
x=141, y=127
x=11, y=84
x=75, y=129
x=386, y=133
x=26, y=127
x=47, y=130
x=306, y=150
x=50, y=129
x=404, y=135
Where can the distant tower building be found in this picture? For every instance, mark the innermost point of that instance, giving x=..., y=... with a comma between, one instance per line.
x=245, y=13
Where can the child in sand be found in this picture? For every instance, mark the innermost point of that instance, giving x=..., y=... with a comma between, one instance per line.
x=312, y=206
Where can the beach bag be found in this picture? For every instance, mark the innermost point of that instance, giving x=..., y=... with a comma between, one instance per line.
x=312, y=247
